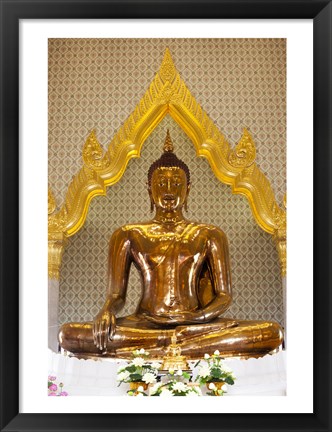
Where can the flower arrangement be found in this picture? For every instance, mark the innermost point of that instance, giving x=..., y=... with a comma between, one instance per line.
x=55, y=389
x=143, y=375
x=215, y=374
x=139, y=370
x=217, y=389
x=175, y=385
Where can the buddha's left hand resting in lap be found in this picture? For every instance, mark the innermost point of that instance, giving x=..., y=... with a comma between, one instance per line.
x=186, y=283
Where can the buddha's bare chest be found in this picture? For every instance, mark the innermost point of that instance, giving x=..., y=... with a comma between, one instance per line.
x=169, y=251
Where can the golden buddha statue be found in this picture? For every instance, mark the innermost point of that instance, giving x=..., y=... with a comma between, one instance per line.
x=186, y=282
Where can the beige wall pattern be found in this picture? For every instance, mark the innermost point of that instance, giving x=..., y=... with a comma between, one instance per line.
x=96, y=83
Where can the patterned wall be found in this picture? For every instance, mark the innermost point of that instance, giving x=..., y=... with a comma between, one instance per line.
x=96, y=83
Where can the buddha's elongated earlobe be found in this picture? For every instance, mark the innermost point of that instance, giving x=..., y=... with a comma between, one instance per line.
x=151, y=202
x=185, y=204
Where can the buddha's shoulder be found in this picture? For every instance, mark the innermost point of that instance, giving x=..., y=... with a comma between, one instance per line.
x=133, y=227
x=208, y=230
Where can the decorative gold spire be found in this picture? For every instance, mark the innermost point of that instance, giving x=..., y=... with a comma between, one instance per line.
x=168, y=146
x=167, y=69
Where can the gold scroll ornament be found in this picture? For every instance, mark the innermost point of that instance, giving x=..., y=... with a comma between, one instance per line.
x=167, y=94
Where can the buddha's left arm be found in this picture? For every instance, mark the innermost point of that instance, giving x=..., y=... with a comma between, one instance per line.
x=218, y=262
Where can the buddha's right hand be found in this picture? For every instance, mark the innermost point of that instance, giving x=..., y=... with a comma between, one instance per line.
x=103, y=329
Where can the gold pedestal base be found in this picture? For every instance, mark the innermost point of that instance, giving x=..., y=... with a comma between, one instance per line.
x=175, y=363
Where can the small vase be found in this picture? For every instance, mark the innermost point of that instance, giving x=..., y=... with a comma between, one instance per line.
x=218, y=385
x=134, y=385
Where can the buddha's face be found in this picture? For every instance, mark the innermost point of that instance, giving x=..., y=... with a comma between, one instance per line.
x=169, y=188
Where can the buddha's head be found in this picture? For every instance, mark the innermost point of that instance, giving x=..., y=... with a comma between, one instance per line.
x=168, y=180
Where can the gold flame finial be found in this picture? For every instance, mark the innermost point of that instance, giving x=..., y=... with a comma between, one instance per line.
x=167, y=71
x=168, y=146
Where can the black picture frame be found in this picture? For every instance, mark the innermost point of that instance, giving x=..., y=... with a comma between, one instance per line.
x=14, y=10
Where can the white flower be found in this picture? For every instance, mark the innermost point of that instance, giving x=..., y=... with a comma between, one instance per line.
x=204, y=371
x=140, y=389
x=224, y=388
x=192, y=393
x=155, y=365
x=138, y=361
x=166, y=393
x=212, y=386
x=155, y=388
x=142, y=351
x=123, y=376
x=149, y=378
x=179, y=372
x=139, y=394
x=206, y=356
x=216, y=352
x=180, y=387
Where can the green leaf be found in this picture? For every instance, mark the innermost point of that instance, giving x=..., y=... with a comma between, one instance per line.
x=136, y=377
x=229, y=380
x=216, y=373
x=186, y=375
x=131, y=368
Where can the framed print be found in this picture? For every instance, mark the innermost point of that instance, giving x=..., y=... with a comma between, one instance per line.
x=114, y=53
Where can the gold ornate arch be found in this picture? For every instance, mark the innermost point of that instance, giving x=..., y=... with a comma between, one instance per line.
x=167, y=94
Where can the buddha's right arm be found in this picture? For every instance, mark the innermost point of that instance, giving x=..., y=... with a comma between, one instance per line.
x=119, y=260
x=118, y=271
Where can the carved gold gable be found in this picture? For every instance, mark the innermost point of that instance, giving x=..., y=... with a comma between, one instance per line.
x=167, y=94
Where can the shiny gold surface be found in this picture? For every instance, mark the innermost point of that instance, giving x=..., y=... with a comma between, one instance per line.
x=172, y=255
x=55, y=252
x=280, y=237
x=173, y=360
x=56, y=242
x=51, y=202
x=168, y=94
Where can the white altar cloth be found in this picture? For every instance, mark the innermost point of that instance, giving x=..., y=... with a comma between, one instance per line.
x=265, y=376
